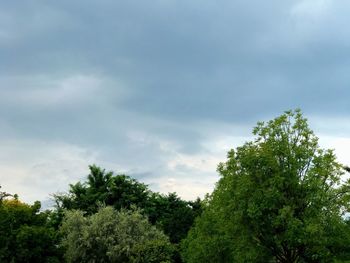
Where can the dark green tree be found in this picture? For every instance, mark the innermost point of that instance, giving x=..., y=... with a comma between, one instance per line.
x=280, y=198
x=101, y=187
x=172, y=214
x=25, y=234
x=168, y=212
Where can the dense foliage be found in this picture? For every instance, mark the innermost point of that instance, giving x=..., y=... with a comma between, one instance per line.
x=113, y=236
x=280, y=199
x=169, y=212
x=26, y=234
x=101, y=187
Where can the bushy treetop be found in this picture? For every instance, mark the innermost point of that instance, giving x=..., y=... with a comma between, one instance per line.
x=281, y=197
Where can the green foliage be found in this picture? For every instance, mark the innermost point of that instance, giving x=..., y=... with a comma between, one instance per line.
x=172, y=214
x=340, y=243
x=280, y=198
x=154, y=251
x=168, y=212
x=119, y=191
x=113, y=236
x=24, y=233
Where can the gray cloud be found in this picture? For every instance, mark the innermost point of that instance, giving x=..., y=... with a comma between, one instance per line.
x=149, y=85
x=181, y=58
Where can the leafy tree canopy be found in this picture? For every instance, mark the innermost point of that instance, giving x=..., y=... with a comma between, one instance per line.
x=280, y=198
x=101, y=187
x=113, y=236
x=25, y=234
x=168, y=212
x=172, y=214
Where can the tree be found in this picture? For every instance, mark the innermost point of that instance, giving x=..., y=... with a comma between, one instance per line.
x=172, y=214
x=25, y=235
x=168, y=212
x=113, y=236
x=101, y=187
x=280, y=198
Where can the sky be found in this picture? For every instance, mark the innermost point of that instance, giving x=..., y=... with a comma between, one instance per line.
x=160, y=90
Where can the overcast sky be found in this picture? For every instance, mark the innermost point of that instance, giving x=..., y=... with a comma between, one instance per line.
x=162, y=89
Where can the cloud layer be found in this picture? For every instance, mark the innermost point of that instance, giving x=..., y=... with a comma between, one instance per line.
x=160, y=90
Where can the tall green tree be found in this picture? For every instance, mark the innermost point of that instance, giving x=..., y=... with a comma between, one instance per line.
x=280, y=198
x=101, y=187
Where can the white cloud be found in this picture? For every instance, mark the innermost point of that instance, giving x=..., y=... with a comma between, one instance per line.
x=35, y=169
x=340, y=145
x=311, y=9
x=188, y=188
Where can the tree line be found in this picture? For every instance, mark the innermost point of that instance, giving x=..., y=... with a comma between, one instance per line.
x=280, y=198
